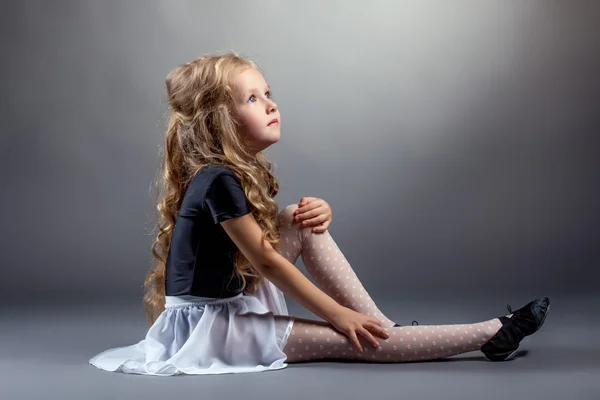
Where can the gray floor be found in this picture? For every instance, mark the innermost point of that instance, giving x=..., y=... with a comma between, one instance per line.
x=44, y=354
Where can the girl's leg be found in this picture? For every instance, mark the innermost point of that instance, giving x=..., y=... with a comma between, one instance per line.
x=314, y=340
x=326, y=264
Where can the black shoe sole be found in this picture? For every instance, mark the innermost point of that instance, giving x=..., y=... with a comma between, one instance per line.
x=511, y=355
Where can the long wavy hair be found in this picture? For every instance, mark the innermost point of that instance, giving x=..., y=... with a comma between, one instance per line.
x=202, y=131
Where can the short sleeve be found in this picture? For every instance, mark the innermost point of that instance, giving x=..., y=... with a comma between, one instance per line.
x=225, y=198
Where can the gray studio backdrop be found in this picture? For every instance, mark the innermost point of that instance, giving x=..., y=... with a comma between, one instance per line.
x=457, y=142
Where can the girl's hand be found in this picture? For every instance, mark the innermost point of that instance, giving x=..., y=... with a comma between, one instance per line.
x=350, y=322
x=313, y=212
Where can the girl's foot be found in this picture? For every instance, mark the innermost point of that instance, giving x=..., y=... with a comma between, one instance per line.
x=518, y=324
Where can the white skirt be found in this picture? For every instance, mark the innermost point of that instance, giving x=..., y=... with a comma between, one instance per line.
x=196, y=335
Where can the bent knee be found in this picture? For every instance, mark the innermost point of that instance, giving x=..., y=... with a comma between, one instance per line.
x=286, y=216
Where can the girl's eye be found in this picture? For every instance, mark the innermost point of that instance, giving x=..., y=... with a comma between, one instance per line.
x=269, y=96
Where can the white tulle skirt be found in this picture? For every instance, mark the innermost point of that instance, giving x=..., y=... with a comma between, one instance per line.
x=196, y=335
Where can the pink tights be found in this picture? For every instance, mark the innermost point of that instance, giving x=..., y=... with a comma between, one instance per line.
x=314, y=339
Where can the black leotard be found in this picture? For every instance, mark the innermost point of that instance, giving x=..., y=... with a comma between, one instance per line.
x=200, y=257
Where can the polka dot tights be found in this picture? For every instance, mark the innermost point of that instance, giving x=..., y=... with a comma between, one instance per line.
x=314, y=339
x=326, y=264
x=311, y=340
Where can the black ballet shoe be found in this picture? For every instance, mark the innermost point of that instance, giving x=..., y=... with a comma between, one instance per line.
x=412, y=323
x=517, y=325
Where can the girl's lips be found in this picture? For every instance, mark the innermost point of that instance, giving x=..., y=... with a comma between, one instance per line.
x=273, y=122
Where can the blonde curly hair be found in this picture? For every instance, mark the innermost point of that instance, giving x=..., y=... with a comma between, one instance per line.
x=203, y=131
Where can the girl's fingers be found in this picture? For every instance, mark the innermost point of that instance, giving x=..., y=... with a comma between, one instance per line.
x=381, y=332
x=313, y=221
x=378, y=330
x=355, y=341
x=368, y=336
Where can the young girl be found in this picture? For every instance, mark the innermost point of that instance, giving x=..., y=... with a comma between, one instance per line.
x=224, y=254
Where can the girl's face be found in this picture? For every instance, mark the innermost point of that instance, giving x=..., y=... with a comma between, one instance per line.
x=255, y=109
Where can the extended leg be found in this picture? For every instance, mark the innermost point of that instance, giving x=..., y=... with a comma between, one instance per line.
x=314, y=340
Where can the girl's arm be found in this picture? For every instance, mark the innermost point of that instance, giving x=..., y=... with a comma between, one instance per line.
x=245, y=232
x=247, y=235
